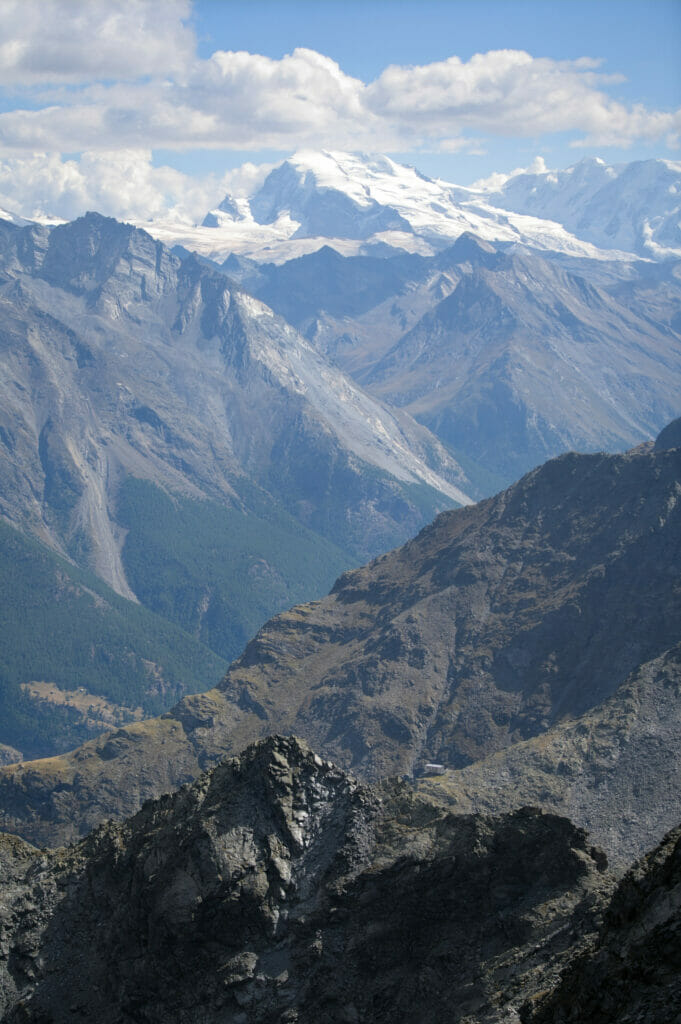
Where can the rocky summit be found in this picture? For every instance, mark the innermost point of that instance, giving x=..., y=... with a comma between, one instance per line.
x=278, y=889
x=529, y=644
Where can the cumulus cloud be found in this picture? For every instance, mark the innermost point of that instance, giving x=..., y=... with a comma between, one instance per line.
x=510, y=93
x=246, y=101
x=232, y=100
x=114, y=79
x=123, y=183
x=71, y=41
x=497, y=180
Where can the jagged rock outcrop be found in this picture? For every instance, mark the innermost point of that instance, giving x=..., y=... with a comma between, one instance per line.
x=633, y=973
x=9, y=755
x=502, y=631
x=276, y=888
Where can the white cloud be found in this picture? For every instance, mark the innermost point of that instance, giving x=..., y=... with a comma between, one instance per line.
x=246, y=179
x=233, y=100
x=496, y=181
x=121, y=183
x=510, y=93
x=116, y=79
x=84, y=40
x=246, y=101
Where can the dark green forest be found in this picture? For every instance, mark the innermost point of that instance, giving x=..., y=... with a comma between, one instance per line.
x=63, y=625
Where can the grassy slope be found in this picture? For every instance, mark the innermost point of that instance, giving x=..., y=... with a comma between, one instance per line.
x=63, y=625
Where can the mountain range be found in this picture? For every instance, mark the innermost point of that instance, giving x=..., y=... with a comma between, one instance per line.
x=364, y=203
x=515, y=319
x=508, y=356
x=192, y=442
x=218, y=442
x=168, y=432
x=530, y=643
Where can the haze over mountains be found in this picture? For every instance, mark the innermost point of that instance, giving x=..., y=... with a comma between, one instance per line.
x=216, y=463
x=187, y=447
x=509, y=337
x=508, y=356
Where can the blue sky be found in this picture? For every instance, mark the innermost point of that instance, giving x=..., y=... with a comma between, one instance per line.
x=640, y=41
x=134, y=105
x=643, y=40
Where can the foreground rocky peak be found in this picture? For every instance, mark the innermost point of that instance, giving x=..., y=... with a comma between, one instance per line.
x=276, y=888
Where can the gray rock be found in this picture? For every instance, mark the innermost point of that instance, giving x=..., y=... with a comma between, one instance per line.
x=277, y=888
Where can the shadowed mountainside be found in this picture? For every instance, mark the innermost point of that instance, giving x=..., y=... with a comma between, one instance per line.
x=512, y=622
x=632, y=975
x=276, y=888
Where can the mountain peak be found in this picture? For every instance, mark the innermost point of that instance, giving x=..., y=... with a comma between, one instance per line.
x=469, y=248
x=83, y=254
x=670, y=437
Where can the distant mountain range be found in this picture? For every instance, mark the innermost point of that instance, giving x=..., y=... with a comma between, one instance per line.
x=515, y=320
x=508, y=355
x=218, y=442
x=364, y=204
x=632, y=207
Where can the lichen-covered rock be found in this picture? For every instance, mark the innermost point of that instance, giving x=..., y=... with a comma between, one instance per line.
x=9, y=755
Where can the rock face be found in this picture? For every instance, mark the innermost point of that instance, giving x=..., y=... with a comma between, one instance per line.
x=278, y=889
x=121, y=362
x=633, y=973
x=530, y=643
x=614, y=767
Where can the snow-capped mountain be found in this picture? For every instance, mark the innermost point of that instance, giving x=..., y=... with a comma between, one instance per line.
x=635, y=207
x=358, y=203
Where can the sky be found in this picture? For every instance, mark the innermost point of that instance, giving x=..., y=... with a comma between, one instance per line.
x=153, y=109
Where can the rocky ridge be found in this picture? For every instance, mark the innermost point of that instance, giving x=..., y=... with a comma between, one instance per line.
x=166, y=431
x=508, y=355
x=276, y=888
x=632, y=975
x=529, y=643
x=121, y=360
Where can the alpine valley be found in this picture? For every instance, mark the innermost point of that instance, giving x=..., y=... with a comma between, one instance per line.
x=448, y=791
x=167, y=432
